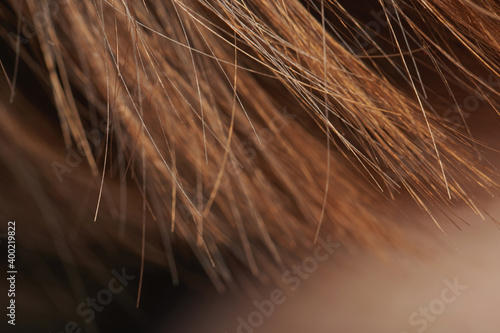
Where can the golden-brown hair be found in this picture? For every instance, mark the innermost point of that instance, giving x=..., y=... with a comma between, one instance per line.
x=242, y=129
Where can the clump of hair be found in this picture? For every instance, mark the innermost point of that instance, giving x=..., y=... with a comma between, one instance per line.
x=242, y=129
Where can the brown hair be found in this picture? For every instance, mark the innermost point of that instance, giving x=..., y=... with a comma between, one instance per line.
x=238, y=128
